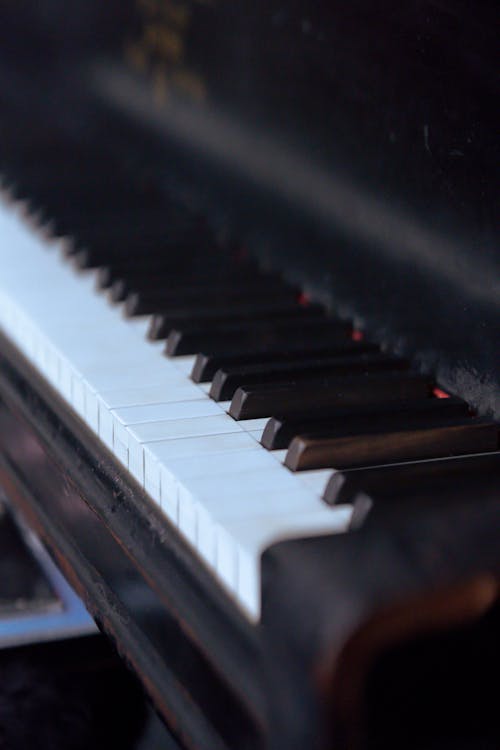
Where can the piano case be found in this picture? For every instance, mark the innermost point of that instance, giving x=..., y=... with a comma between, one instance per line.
x=351, y=148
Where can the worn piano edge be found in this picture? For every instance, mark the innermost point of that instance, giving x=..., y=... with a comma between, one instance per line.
x=169, y=573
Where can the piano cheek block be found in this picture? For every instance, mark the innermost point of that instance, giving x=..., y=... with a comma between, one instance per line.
x=387, y=657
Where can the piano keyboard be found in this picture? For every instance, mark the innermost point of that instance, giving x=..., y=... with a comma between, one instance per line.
x=228, y=496
x=236, y=432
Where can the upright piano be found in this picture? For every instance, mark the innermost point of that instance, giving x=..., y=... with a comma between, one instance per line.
x=249, y=347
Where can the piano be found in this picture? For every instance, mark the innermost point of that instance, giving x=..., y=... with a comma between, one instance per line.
x=249, y=337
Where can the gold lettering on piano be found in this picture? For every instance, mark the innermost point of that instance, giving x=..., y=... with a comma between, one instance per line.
x=159, y=48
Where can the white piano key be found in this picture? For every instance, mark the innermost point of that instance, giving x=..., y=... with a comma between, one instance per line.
x=201, y=407
x=172, y=395
x=253, y=425
x=315, y=479
x=152, y=485
x=232, y=482
x=248, y=504
x=65, y=378
x=117, y=420
x=184, y=364
x=78, y=395
x=92, y=410
x=279, y=455
x=256, y=434
x=207, y=489
x=106, y=425
x=253, y=459
x=177, y=470
x=108, y=354
x=240, y=546
x=226, y=558
x=139, y=325
x=186, y=521
x=114, y=376
x=144, y=394
x=51, y=364
x=169, y=501
x=121, y=452
x=131, y=395
x=199, y=447
x=206, y=445
x=244, y=505
x=148, y=432
x=136, y=436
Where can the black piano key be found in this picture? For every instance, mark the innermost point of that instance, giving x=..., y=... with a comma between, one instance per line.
x=40, y=184
x=155, y=298
x=172, y=246
x=121, y=288
x=75, y=205
x=66, y=186
x=142, y=268
x=207, y=364
x=127, y=266
x=280, y=430
x=146, y=235
x=392, y=483
x=162, y=323
x=153, y=286
x=186, y=338
x=40, y=157
x=183, y=262
x=473, y=480
x=259, y=336
x=143, y=242
x=292, y=398
x=156, y=277
x=144, y=304
x=110, y=222
x=228, y=379
x=391, y=444
x=250, y=334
